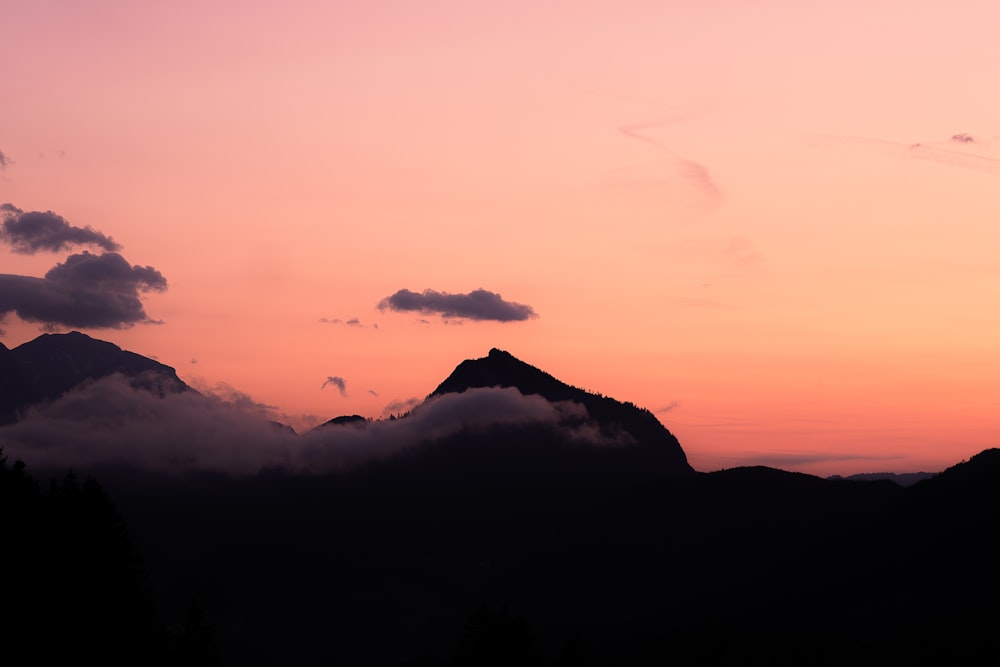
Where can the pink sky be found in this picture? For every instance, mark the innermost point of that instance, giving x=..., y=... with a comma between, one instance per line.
x=715, y=206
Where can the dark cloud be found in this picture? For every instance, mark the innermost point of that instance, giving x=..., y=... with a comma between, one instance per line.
x=4, y=161
x=88, y=291
x=476, y=305
x=963, y=138
x=35, y=231
x=373, y=392
x=337, y=382
x=108, y=422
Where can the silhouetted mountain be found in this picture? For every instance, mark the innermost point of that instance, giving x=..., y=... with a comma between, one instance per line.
x=47, y=367
x=502, y=369
x=282, y=428
x=353, y=420
x=12, y=386
x=902, y=478
x=511, y=541
x=981, y=469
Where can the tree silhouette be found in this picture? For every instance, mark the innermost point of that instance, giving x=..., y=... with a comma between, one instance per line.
x=495, y=638
x=73, y=582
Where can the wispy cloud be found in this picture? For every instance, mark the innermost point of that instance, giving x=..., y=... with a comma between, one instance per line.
x=99, y=291
x=337, y=382
x=793, y=459
x=400, y=406
x=693, y=171
x=353, y=322
x=960, y=150
x=4, y=161
x=478, y=304
x=35, y=231
x=670, y=407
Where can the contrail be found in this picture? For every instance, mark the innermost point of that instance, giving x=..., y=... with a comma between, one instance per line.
x=689, y=169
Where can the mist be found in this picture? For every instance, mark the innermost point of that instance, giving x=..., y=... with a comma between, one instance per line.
x=109, y=423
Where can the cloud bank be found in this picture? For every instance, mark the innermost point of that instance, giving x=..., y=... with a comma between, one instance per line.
x=108, y=423
x=478, y=304
x=35, y=231
x=87, y=290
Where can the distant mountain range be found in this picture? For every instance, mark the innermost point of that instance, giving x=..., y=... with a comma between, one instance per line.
x=903, y=479
x=580, y=539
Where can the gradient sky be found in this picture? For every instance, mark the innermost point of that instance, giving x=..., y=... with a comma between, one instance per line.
x=774, y=224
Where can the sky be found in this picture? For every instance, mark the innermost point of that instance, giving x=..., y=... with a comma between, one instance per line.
x=773, y=224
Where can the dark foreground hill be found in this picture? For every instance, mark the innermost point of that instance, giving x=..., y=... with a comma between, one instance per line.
x=518, y=542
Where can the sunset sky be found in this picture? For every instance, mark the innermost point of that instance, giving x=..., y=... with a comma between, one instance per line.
x=774, y=224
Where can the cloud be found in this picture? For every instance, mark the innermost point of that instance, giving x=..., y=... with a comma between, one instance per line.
x=35, y=231
x=693, y=171
x=786, y=460
x=337, y=382
x=373, y=392
x=108, y=423
x=399, y=407
x=673, y=405
x=4, y=161
x=89, y=291
x=352, y=322
x=478, y=304
x=951, y=153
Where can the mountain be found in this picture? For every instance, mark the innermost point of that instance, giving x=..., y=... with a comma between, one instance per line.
x=11, y=385
x=902, y=478
x=45, y=368
x=356, y=421
x=502, y=369
x=619, y=552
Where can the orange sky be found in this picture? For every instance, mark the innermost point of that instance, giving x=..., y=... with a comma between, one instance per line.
x=717, y=206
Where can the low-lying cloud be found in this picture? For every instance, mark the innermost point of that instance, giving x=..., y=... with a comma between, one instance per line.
x=108, y=423
x=478, y=304
x=87, y=291
x=31, y=232
x=398, y=407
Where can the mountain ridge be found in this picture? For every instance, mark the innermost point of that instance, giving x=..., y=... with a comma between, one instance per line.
x=45, y=368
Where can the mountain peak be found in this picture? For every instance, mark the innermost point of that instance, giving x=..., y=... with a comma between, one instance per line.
x=45, y=368
x=502, y=369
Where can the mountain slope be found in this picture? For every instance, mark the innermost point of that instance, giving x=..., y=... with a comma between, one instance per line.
x=47, y=367
x=502, y=369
